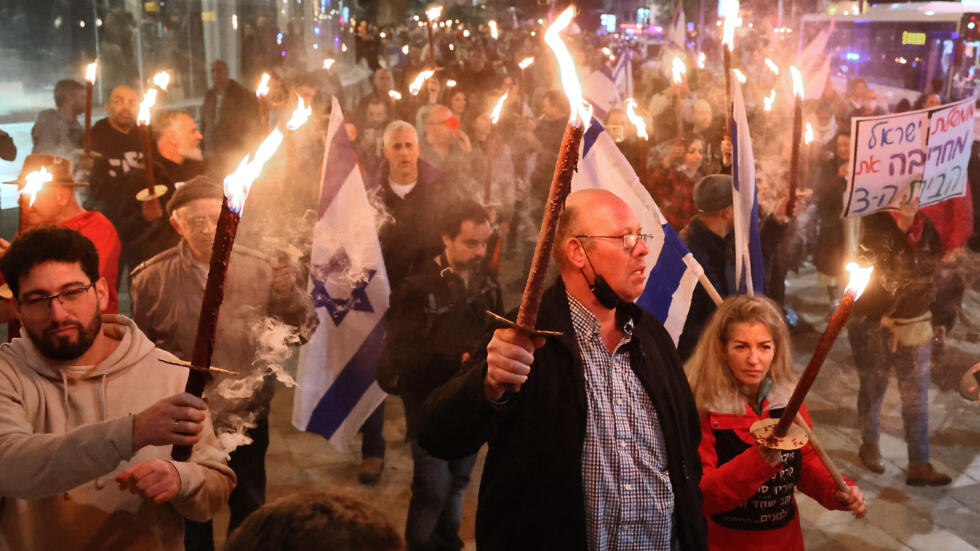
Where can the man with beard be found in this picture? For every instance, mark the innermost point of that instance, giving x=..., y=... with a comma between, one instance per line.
x=88, y=414
x=177, y=157
x=436, y=316
x=167, y=293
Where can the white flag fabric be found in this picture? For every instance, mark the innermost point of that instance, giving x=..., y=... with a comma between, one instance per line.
x=815, y=64
x=672, y=272
x=337, y=388
x=749, y=267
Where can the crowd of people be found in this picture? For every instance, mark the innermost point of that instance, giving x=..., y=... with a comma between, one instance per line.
x=604, y=435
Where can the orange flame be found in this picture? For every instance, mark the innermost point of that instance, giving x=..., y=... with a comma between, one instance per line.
x=149, y=100
x=493, y=30
x=580, y=110
x=161, y=80
x=701, y=58
x=90, y=71
x=328, y=63
x=730, y=9
x=525, y=63
x=416, y=84
x=772, y=66
x=434, y=13
x=636, y=119
x=33, y=182
x=450, y=83
x=238, y=183
x=740, y=76
x=393, y=94
x=797, y=82
x=677, y=69
x=769, y=100
x=808, y=134
x=859, y=279
x=495, y=113
x=262, y=90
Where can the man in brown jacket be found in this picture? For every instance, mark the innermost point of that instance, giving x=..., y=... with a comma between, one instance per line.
x=89, y=411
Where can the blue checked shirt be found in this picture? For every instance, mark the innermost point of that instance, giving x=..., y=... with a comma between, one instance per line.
x=629, y=503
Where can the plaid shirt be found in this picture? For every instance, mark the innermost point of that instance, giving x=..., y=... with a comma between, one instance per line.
x=673, y=191
x=629, y=502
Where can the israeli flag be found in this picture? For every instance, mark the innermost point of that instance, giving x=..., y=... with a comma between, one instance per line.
x=672, y=272
x=749, y=267
x=337, y=388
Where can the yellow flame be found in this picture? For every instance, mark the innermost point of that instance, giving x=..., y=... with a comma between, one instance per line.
x=495, y=113
x=677, y=69
x=494, y=34
x=34, y=181
x=636, y=119
x=701, y=59
x=161, y=80
x=394, y=94
x=740, y=76
x=262, y=89
x=525, y=63
x=405, y=49
x=730, y=9
x=90, y=71
x=149, y=100
x=772, y=66
x=858, y=280
x=808, y=134
x=797, y=82
x=450, y=83
x=328, y=63
x=238, y=183
x=569, y=79
x=434, y=13
x=416, y=86
x=769, y=100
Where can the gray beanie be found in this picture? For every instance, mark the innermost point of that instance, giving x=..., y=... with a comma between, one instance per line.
x=198, y=187
x=713, y=193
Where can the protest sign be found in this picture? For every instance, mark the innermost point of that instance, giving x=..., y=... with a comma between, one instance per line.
x=895, y=158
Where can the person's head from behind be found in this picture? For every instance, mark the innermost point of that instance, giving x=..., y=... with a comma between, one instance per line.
x=745, y=342
x=599, y=235
x=713, y=198
x=931, y=101
x=58, y=295
x=401, y=149
x=465, y=234
x=121, y=107
x=555, y=105
x=194, y=210
x=177, y=136
x=70, y=94
x=316, y=520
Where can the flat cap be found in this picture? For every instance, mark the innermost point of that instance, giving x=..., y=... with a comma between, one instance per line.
x=198, y=187
x=713, y=193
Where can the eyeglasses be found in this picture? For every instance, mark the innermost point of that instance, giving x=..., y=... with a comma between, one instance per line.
x=630, y=240
x=199, y=223
x=70, y=299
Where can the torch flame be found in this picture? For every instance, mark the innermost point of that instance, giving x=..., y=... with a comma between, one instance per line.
x=149, y=100
x=33, y=183
x=238, y=183
x=526, y=62
x=769, y=100
x=405, y=49
x=636, y=119
x=495, y=113
x=328, y=63
x=416, y=84
x=730, y=9
x=394, y=94
x=701, y=58
x=262, y=89
x=90, y=71
x=740, y=76
x=161, y=80
x=797, y=82
x=677, y=68
x=772, y=66
x=493, y=30
x=569, y=80
x=808, y=134
x=858, y=280
x=434, y=13
x=450, y=83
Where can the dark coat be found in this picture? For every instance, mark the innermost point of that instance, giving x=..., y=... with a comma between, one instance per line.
x=531, y=495
x=231, y=130
x=717, y=256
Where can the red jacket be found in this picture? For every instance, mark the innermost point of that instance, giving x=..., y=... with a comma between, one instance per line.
x=953, y=219
x=102, y=234
x=745, y=476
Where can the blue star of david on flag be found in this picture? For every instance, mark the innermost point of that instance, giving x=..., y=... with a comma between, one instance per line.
x=337, y=307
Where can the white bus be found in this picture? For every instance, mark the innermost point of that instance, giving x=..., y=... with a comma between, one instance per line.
x=900, y=48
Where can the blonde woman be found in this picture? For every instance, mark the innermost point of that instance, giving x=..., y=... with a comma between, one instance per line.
x=742, y=371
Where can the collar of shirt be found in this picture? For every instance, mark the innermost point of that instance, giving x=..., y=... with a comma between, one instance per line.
x=586, y=323
x=401, y=190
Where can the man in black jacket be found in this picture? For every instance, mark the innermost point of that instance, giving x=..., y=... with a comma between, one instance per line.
x=593, y=436
x=229, y=119
x=436, y=317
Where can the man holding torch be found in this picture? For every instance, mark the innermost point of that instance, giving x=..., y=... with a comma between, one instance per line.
x=593, y=436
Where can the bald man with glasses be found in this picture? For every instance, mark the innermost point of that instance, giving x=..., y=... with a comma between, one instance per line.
x=593, y=433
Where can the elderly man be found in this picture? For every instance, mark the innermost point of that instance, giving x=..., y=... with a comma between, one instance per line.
x=260, y=301
x=449, y=149
x=88, y=415
x=57, y=131
x=593, y=436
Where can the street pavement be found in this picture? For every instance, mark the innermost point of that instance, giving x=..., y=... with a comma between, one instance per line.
x=900, y=517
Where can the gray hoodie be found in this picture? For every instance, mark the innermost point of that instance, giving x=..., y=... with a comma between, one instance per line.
x=63, y=439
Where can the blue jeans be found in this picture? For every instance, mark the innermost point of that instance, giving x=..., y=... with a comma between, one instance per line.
x=436, y=508
x=871, y=344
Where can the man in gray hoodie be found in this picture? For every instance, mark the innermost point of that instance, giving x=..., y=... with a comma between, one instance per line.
x=89, y=410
